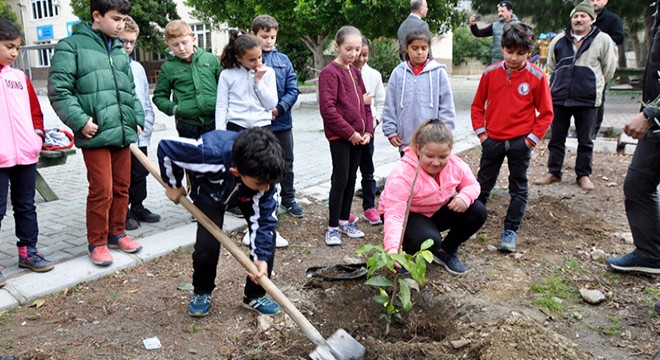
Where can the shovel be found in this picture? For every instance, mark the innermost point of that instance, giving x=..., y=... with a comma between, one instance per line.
x=339, y=346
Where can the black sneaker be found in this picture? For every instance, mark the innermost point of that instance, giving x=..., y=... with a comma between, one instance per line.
x=236, y=211
x=35, y=262
x=131, y=222
x=633, y=262
x=144, y=215
x=450, y=262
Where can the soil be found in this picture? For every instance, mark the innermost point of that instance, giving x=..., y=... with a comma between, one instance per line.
x=518, y=306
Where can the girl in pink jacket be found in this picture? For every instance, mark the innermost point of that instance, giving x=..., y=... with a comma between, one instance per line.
x=443, y=198
x=21, y=138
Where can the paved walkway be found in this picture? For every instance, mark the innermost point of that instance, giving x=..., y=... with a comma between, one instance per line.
x=62, y=222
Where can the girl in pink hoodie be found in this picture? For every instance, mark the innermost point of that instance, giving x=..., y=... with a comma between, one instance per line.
x=443, y=198
x=21, y=138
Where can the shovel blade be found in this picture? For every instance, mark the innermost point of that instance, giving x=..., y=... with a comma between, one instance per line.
x=339, y=346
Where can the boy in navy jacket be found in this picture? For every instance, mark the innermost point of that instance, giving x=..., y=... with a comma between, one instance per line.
x=230, y=169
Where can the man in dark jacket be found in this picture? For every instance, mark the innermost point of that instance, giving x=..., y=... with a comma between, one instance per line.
x=640, y=187
x=610, y=24
x=496, y=29
x=414, y=21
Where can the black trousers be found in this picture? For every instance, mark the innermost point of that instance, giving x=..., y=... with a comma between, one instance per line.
x=287, y=192
x=137, y=191
x=460, y=225
x=23, y=185
x=368, y=182
x=518, y=156
x=345, y=161
x=641, y=193
x=207, y=252
x=585, y=118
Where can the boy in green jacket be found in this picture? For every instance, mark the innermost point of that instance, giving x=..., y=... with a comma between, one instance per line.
x=90, y=87
x=191, y=75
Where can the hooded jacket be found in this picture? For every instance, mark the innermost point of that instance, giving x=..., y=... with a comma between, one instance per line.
x=90, y=76
x=208, y=160
x=287, y=87
x=412, y=99
x=579, y=74
x=22, y=124
x=431, y=193
x=191, y=85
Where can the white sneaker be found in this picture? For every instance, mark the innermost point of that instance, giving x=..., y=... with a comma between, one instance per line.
x=332, y=237
x=246, y=238
x=280, y=242
x=351, y=230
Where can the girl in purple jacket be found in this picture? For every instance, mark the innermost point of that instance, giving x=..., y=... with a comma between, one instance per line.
x=348, y=126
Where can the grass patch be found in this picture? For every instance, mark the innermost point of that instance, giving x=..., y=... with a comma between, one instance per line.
x=549, y=290
x=614, y=328
x=652, y=291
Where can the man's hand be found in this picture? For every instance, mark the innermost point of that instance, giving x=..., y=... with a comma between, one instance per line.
x=174, y=194
x=473, y=19
x=395, y=141
x=637, y=126
x=90, y=129
x=457, y=205
x=262, y=269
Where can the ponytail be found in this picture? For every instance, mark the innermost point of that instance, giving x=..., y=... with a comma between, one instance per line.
x=239, y=42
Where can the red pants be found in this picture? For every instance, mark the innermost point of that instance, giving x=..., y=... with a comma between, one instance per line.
x=109, y=176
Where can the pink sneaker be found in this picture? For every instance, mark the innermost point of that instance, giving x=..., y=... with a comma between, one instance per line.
x=372, y=216
x=353, y=219
x=100, y=256
x=124, y=242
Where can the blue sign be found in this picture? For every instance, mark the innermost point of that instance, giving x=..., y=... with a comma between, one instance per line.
x=69, y=27
x=44, y=32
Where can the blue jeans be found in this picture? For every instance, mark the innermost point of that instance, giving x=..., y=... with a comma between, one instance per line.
x=23, y=184
x=641, y=193
x=518, y=156
x=368, y=182
x=288, y=192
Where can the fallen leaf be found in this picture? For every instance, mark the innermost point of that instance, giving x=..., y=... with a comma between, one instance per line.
x=38, y=303
x=192, y=350
x=132, y=291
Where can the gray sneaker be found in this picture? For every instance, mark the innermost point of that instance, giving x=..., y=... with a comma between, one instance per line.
x=508, y=241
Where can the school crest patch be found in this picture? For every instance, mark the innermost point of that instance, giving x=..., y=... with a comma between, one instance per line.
x=523, y=89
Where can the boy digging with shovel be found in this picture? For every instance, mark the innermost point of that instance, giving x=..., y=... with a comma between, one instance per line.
x=231, y=169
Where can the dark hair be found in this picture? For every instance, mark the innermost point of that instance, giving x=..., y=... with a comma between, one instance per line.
x=239, y=42
x=103, y=6
x=518, y=36
x=9, y=31
x=257, y=153
x=432, y=131
x=365, y=42
x=344, y=32
x=418, y=35
x=265, y=22
x=507, y=4
x=416, y=5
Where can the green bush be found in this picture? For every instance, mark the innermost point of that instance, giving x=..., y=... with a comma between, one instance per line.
x=384, y=56
x=300, y=56
x=467, y=45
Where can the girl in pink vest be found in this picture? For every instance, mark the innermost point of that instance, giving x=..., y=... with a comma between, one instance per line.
x=21, y=138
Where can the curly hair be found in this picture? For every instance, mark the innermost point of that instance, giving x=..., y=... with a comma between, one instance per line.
x=257, y=153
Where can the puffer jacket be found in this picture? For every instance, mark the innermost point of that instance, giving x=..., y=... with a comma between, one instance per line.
x=579, y=74
x=22, y=124
x=90, y=76
x=456, y=179
x=193, y=87
x=412, y=99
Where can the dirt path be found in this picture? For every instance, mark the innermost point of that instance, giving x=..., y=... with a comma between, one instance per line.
x=519, y=306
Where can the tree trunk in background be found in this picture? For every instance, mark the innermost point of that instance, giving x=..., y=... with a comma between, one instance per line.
x=622, y=55
x=316, y=45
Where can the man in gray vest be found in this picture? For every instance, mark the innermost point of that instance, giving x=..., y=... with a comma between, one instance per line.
x=418, y=10
x=505, y=14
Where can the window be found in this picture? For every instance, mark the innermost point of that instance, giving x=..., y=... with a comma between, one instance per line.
x=45, y=54
x=202, y=33
x=43, y=9
x=157, y=56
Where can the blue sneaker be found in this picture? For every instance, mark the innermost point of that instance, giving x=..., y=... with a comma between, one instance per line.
x=3, y=282
x=450, y=262
x=295, y=210
x=263, y=305
x=508, y=241
x=200, y=305
x=633, y=262
x=35, y=262
x=657, y=306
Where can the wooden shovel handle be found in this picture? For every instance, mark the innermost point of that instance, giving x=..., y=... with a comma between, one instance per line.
x=310, y=331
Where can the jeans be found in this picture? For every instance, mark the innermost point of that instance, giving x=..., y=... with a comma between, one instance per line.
x=585, y=118
x=460, y=225
x=368, y=182
x=518, y=156
x=207, y=252
x=345, y=161
x=23, y=182
x=137, y=191
x=287, y=193
x=109, y=176
x=641, y=197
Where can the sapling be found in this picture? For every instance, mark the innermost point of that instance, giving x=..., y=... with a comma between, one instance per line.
x=394, y=286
